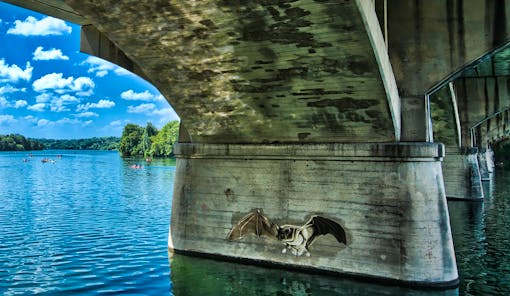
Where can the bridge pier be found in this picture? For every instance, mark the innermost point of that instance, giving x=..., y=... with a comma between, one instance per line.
x=486, y=164
x=462, y=174
x=389, y=198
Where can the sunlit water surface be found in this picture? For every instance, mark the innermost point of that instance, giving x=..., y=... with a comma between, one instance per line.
x=90, y=224
x=87, y=223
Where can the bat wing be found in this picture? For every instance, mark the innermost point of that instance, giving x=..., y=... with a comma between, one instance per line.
x=254, y=222
x=323, y=226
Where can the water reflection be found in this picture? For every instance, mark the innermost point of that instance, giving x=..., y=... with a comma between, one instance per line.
x=482, y=241
x=199, y=276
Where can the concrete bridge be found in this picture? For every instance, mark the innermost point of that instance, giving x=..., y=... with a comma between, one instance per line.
x=298, y=108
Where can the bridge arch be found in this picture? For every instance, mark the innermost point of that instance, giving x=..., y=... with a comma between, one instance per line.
x=240, y=72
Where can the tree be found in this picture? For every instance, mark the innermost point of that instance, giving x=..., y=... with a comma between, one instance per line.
x=130, y=141
x=149, y=132
x=162, y=143
x=151, y=129
x=148, y=141
x=17, y=142
x=102, y=143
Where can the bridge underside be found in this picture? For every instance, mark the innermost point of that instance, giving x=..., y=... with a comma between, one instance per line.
x=291, y=107
x=470, y=112
x=261, y=72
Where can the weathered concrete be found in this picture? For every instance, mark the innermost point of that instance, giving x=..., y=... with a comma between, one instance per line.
x=484, y=102
x=486, y=164
x=430, y=40
x=389, y=198
x=472, y=111
x=260, y=72
x=55, y=8
x=462, y=174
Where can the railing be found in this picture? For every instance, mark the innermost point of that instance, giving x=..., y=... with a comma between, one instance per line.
x=472, y=129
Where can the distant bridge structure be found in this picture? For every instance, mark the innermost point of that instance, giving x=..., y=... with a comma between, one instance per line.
x=368, y=113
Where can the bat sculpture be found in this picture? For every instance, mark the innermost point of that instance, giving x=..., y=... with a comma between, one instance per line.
x=297, y=239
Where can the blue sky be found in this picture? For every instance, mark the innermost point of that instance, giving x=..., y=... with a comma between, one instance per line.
x=48, y=89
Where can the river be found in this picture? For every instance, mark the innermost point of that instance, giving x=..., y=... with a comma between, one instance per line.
x=87, y=223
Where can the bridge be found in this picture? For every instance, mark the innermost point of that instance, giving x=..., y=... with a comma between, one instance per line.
x=366, y=114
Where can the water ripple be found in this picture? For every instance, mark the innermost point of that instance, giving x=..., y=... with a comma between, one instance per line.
x=80, y=226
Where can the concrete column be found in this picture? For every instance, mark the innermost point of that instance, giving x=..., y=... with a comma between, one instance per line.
x=462, y=174
x=388, y=198
x=486, y=164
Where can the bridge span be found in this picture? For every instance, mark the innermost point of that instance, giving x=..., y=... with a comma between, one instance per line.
x=366, y=114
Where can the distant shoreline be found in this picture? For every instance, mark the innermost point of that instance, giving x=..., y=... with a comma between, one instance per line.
x=17, y=142
x=95, y=143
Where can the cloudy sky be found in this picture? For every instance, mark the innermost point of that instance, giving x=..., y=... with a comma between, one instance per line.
x=48, y=89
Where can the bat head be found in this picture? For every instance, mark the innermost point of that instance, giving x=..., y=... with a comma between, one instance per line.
x=286, y=232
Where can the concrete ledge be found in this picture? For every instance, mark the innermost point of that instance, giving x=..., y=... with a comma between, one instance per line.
x=384, y=151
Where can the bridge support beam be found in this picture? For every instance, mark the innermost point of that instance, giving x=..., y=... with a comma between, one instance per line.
x=389, y=198
x=486, y=164
x=462, y=174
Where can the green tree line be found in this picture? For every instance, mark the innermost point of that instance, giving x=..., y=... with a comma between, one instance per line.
x=96, y=143
x=16, y=142
x=148, y=141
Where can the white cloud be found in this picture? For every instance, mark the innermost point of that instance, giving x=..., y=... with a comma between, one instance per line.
x=44, y=27
x=130, y=95
x=59, y=104
x=165, y=115
x=86, y=114
x=122, y=72
x=63, y=121
x=45, y=55
x=4, y=103
x=53, y=81
x=10, y=89
x=43, y=122
x=39, y=107
x=102, y=104
x=83, y=86
x=7, y=119
x=14, y=73
x=142, y=108
x=30, y=118
x=43, y=98
x=66, y=120
x=56, y=102
x=167, y=112
x=20, y=104
x=115, y=123
x=101, y=67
